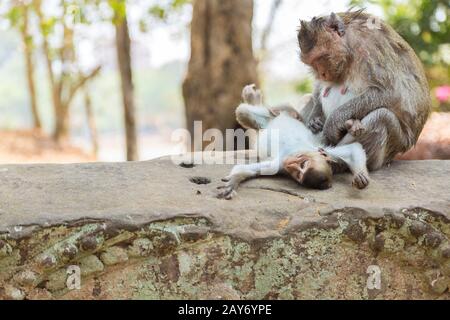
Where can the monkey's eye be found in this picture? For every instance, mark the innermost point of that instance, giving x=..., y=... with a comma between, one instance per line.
x=304, y=164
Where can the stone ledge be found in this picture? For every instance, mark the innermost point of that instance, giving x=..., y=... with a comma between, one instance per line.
x=157, y=230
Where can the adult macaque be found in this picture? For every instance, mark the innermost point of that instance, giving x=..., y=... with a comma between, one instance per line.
x=369, y=80
x=299, y=153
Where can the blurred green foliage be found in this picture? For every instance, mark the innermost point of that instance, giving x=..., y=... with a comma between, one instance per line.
x=424, y=24
x=304, y=86
x=14, y=15
x=163, y=11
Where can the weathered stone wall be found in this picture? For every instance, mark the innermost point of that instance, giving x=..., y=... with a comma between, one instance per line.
x=154, y=230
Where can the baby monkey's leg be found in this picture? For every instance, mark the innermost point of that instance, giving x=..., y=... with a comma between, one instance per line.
x=253, y=117
x=252, y=114
x=355, y=157
x=241, y=173
x=258, y=117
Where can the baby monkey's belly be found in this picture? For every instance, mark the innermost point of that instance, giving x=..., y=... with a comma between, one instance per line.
x=285, y=136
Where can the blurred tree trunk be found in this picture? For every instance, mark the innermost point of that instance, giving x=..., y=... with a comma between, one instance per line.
x=222, y=62
x=91, y=121
x=29, y=65
x=46, y=49
x=67, y=57
x=126, y=76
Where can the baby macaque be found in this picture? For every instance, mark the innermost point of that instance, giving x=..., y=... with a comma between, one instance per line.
x=299, y=152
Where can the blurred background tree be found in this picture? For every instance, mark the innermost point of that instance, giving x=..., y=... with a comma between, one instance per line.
x=165, y=64
x=123, y=48
x=221, y=63
x=18, y=15
x=66, y=78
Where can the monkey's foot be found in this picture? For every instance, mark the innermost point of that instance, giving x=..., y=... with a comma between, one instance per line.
x=228, y=191
x=355, y=127
x=251, y=95
x=361, y=181
x=316, y=125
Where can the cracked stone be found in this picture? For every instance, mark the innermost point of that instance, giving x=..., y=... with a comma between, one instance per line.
x=446, y=252
x=433, y=239
x=47, y=261
x=141, y=248
x=57, y=280
x=418, y=229
x=114, y=255
x=5, y=249
x=26, y=278
x=90, y=243
x=446, y=268
x=90, y=265
x=69, y=251
x=439, y=284
x=205, y=247
x=14, y=293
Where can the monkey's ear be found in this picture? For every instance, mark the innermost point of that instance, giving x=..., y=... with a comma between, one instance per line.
x=331, y=161
x=336, y=24
x=303, y=25
x=305, y=36
x=306, y=29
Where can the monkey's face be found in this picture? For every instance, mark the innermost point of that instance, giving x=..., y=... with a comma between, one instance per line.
x=312, y=170
x=323, y=47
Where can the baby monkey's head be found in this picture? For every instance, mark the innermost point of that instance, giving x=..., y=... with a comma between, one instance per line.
x=312, y=170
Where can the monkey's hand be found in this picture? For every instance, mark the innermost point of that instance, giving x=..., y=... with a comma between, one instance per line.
x=361, y=180
x=290, y=110
x=228, y=191
x=334, y=130
x=357, y=108
x=251, y=95
x=316, y=125
x=355, y=127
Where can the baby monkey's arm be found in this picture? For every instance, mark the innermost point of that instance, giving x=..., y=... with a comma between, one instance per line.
x=241, y=173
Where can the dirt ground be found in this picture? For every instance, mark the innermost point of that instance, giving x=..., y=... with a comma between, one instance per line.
x=28, y=146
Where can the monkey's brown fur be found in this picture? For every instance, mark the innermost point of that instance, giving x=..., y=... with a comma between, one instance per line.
x=392, y=97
